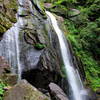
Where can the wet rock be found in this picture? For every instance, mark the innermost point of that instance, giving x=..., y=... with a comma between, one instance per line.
x=57, y=92
x=10, y=79
x=73, y=12
x=5, y=73
x=24, y=91
x=91, y=94
x=98, y=94
x=4, y=66
x=48, y=5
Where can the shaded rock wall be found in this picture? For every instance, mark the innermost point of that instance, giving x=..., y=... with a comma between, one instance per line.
x=39, y=48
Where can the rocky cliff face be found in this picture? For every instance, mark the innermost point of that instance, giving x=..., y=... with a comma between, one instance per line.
x=40, y=56
x=39, y=47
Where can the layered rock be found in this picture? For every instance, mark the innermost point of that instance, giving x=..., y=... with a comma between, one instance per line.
x=56, y=92
x=5, y=73
x=4, y=66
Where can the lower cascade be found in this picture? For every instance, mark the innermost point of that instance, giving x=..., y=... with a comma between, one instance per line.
x=78, y=91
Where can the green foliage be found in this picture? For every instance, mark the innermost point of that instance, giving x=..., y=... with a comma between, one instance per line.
x=2, y=85
x=85, y=38
x=39, y=46
x=92, y=70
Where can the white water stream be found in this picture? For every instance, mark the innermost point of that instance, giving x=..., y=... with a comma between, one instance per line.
x=72, y=74
x=9, y=48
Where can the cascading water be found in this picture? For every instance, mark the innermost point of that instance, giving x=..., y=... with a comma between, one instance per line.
x=72, y=74
x=9, y=46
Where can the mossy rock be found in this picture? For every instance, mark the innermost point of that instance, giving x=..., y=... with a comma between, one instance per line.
x=2, y=30
x=24, y=91
x=39, y=46
x=7, y=14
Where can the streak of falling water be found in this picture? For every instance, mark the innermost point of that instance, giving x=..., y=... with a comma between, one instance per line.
x=72, y=75
x=9, y=49
x=9, y=46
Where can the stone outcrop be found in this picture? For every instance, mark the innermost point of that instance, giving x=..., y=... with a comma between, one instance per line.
x=24, y=91
x=5, y=73
x=4, y=66
x=91, y=95
x=56, y=92
x=39, y=47
x=8, y=10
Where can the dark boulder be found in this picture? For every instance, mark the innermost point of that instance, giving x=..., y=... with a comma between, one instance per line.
x=56, y=92
x=98, y=94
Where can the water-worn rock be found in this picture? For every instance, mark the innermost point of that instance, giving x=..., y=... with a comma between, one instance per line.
x=57, y=92
x=5, y=73
x=4, y=66
x=91, y=94
x=10, y=79
x=24, y=91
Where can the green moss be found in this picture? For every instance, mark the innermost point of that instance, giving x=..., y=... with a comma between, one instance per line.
x=83, y=33
x=91, y=67
x=2, y=29
x=7, y=14
x=12, y=4
x=39, y=46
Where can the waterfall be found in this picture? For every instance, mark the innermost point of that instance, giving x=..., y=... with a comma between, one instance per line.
x=9, y=48
x=72, y=74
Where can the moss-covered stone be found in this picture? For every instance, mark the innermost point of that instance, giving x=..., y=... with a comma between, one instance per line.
x=2, y=29
x=24, y=91
x=8, y=10
x=39, y=46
